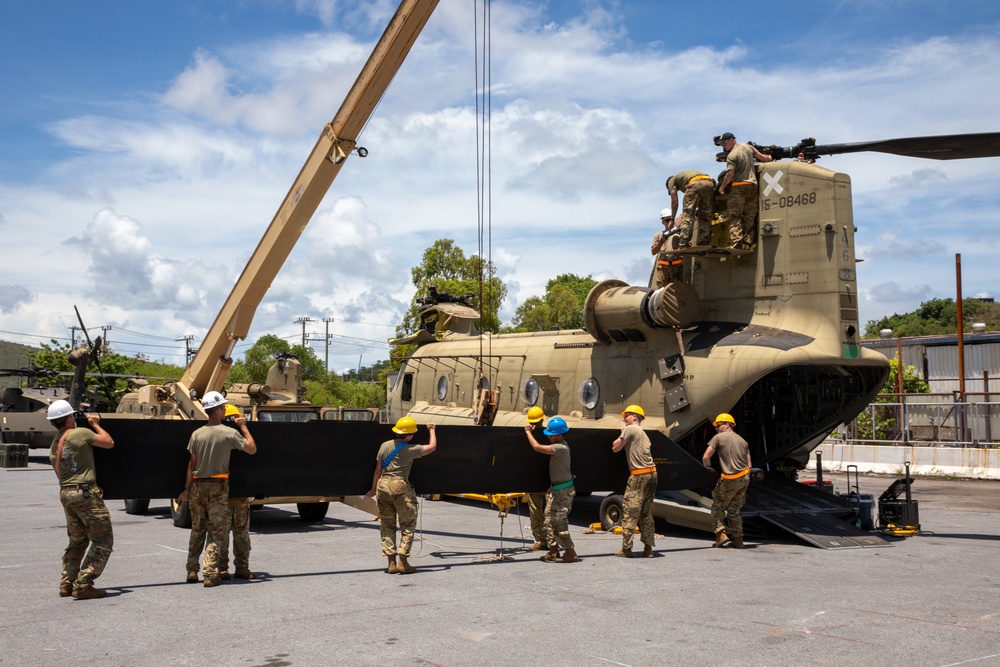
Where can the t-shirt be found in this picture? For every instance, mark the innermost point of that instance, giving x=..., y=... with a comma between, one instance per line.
x=732, y=450
x=559, y=468
x=637, y=448
x=740, y=162
x=76, y=465
x=401, y=463
x=681, y=179
x=211, y=446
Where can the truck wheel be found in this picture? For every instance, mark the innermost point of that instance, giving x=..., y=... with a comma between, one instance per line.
x=313, y=512
x=136, y=505
x=611, y=512
x=181, y=513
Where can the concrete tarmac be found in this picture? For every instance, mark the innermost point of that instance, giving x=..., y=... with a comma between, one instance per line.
x=324, y=599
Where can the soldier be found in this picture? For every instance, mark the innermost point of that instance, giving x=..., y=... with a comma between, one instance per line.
x=559, y=498
x=669, y=267
x=731, y=490
x=393, y=493
x=699, y=204
x=87, y=518
x=637, y=506
x=206, y=486
x=239, y=514
x=536, y=501
x=741, y=174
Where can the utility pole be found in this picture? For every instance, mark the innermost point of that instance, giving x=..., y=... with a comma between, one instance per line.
x=187, y=338
x=326, y=353
x=303, y=320
x=72, y=336
x=104, y=330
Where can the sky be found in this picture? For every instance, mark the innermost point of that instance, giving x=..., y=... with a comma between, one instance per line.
x=146, y=146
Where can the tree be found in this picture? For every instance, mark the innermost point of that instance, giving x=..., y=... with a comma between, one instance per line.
x=937, y=317
x=445, y=267
x=561, y=307
x=264, y=353
x=879, y=422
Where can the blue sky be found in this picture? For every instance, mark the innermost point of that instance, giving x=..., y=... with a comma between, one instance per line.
x=145, y=146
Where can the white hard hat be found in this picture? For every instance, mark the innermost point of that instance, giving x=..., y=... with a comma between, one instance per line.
x=213, y=399
x=59, y=409
x=665, y=213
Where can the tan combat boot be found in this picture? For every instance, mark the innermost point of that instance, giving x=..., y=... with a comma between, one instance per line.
x=225, y=575
x=647, y=551
x=245, y=573
x=192, y=578
x=65, y=590
x=89, y=593
x=737, y=543
x=212, y=582
x=392, y=565
x=569, y=556
x=537, y=546
x=720, y=538
x=404, y=566
x=624, y=552
x=551, y=556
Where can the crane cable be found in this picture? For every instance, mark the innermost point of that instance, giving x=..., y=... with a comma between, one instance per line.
x=483, y=81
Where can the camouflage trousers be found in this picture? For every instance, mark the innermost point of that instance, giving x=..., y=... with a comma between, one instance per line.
x=664, y=274
x=88, y=522
x=699, y=207
x=536, y=513
x=727, y=501
x=396, y=500
x=210, y=517
x=239, y=515
x=742, y=209
x=557, y=507
x=637, y=509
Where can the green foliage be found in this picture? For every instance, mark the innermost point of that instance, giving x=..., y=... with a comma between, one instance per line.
x=264, y=353
x=445, y=267
x=561, y=307
x=878, y=421
x=938, y=317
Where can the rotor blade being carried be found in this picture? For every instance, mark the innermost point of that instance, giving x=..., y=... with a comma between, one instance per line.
x=945, y=147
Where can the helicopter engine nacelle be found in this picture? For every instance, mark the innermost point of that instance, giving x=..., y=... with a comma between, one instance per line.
x=617, y=311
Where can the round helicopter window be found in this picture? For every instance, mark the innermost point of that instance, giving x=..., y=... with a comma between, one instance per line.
x=529, y=391
x=442, y=388
x=588, y=393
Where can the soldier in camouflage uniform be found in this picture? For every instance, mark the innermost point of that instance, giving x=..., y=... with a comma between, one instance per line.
x=637, y=506
x=206, y=486
x=239, y=518
x=536, y=501
x=559, y=498
x=731, y=490
x=87, y=518
x=742, y=176
x=669, y=267
x=392, y=491
x=699, y=205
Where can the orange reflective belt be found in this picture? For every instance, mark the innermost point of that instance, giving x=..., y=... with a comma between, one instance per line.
x=669, y=262
x=224, y=475
x=744, y=472
x=744, y=183
x=703, y=177
x=643, y=471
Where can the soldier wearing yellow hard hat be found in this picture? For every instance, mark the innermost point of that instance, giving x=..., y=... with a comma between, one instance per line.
x=394, y=494
x=637, y=505
x=239, y=514
x=731, y=490
x=536, y=501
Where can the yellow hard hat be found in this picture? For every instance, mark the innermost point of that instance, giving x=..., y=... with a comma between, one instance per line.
x=405, y=426
x=634, y=409
x=535, y=415
x=232, y=411
x=724, y=417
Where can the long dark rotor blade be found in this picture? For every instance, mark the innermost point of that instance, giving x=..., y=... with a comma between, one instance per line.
x=945, y=147
x=95, y=351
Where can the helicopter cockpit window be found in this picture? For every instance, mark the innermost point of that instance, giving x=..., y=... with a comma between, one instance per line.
x=529, y=391
x=589, y=393
x=442, y=390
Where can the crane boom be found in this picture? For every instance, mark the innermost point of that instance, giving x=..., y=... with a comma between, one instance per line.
x=210, y=365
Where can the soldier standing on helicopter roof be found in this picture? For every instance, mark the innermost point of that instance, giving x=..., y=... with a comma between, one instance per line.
x=742, y=175
x=669, y=267
x=699, y=205
x=393, y=493
x=637, y=506
x=536, y=501
x=731, y=490
x=559, y=498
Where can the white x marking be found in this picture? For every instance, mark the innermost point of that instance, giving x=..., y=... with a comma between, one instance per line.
x=773, y=184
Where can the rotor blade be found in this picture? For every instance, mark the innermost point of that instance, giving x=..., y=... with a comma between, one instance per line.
x=945, y=147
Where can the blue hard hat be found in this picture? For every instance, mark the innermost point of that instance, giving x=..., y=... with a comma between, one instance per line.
x=556, y=426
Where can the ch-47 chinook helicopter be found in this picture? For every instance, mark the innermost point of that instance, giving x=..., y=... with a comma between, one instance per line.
x=769, y=335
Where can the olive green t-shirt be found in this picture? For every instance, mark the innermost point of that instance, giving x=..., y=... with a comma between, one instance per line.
x=559, y=468
x=680, y=180
x=732, y=450
x=637, y=448
x=740, y=162
x=77, y=463
x=401, y=463
x=211, y=446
